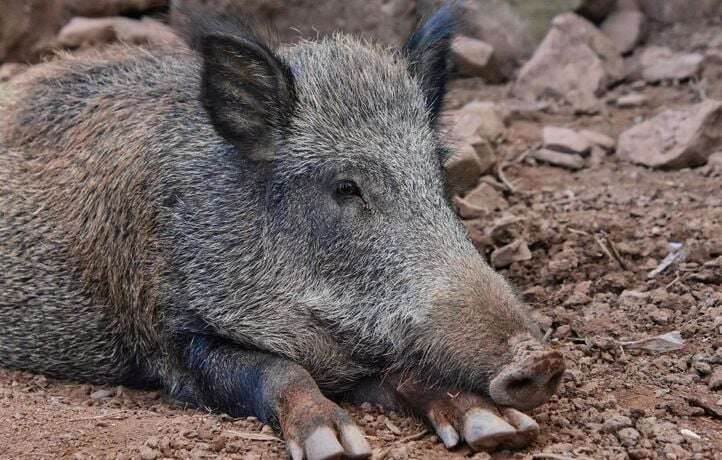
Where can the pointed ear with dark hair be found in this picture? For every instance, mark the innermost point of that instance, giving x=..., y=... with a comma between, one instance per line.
x=247, y=91
x=427, y=52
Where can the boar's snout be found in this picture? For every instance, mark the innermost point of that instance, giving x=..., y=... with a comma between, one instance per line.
x=529, y=380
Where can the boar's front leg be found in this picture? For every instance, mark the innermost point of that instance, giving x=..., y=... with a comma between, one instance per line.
x=454, y=416
x=280, y=393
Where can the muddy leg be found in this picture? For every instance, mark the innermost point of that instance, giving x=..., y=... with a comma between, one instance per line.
x=278, y=392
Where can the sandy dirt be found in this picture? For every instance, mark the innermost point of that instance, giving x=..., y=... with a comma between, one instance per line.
x=613, y=402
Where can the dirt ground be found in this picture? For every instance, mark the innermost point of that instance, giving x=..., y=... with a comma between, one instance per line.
x=613, y=402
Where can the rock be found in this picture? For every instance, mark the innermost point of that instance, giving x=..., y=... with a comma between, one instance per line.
x=680, y=10
x=640, y=454
x=714, y=163
x=626, y=29
x=626, y=5
x=219, y=443
x=101, y=394
x=565, y=140
x=484, y=199
x=496, y=23
x=616, y=423
x=689, y=434
x=564, y=160
x=631, y=100
x=715, y=380
x=659, y=316
x=629, y=437
x=83, y=32
x=575, y=63
x=596, y=10
x=516, y=251
x=386, y=22
x=677, y=138
x=101, y=8
x=146, y=453
x=463, y=169
x=475, y=58
x=477, y=119
x=599, y=139
x=596, y=157
x=662, y=431
x=28, y=29
x=563, y=331
x=10, y=70
x=661, y=63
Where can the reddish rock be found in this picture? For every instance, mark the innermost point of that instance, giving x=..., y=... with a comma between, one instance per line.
x=628, y=5
x=517, y=251
x=715, y=381
x=463, y=169
x=661, y=63
x=497, y=24
x=83, y=32
x=564, y=160
x=384, y=21
x=28, y=29
x=602, y=140
x=483, y=200
x=565, y=140
x=475, y=58
x=677, y=138
x=631, y=100
x=477, y=119
x=680, y=10
x=575, y=63
x=715, y=161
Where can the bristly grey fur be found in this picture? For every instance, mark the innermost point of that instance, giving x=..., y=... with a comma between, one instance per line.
x=127, y=219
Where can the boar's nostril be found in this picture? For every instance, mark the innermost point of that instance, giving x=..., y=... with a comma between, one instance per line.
x=529, y=383
x=520, y=383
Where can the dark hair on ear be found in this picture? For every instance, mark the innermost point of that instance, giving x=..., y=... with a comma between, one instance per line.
x=427, y=51
x=246, y=89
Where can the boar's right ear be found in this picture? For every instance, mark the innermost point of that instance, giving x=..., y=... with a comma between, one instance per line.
x=247, y=91
x=427, y=51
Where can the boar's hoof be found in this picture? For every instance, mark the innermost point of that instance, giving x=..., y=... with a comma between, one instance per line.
x=480, y=424
x=471, y=418
x=318, y=429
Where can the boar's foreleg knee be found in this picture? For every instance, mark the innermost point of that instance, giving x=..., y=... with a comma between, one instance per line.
x=280, y=393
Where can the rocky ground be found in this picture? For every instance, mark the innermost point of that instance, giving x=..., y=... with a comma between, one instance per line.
x=612, y=236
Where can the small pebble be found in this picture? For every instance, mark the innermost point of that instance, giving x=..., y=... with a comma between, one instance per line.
x=101, y=394
x=146, y=453
x=616, y=423
x=689, y=434
x=629, y=437
x=219, y=443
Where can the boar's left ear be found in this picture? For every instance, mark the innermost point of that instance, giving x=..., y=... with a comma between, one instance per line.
x=247, y=91
x=427, y=52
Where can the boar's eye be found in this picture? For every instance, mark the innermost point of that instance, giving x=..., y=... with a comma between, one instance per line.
x=347, y=188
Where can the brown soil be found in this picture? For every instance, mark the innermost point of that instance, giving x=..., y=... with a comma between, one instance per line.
x=571, y=284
